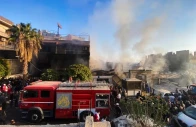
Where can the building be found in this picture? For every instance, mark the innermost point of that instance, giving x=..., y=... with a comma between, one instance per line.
x=6, y=49
x=4, y=25
x=58, y=52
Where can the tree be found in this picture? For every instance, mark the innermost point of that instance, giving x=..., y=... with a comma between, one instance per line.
x=4, y=68
x=27, y=42
x=79, y=72
x=50, y=75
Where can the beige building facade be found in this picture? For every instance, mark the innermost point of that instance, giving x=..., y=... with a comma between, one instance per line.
x=4, y=25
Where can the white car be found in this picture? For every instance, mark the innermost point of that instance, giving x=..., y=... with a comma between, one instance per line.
x=187, y=118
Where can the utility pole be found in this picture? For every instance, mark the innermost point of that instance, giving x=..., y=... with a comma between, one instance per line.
x=58, y=35
x=59, y=27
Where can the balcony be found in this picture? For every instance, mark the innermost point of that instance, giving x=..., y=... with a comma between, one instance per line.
x=3, y=34
x=6, y=47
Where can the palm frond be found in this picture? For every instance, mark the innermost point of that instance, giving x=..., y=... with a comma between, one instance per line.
x=27, y=41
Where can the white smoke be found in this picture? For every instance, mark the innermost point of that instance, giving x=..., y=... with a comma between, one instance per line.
x=123, y=31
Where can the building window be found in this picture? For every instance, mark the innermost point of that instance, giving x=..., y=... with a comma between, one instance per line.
x=85, y=48
x=45, y=94
x=102, y=100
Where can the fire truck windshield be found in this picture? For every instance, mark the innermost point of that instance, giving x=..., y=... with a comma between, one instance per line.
x=30, y=94
x=102, y=100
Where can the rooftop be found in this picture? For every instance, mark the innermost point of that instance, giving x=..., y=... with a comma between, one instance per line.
x=43, y=84
x=132, y=80
x=2, y=19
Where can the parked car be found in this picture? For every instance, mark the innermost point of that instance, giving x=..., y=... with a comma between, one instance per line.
x=186, y=118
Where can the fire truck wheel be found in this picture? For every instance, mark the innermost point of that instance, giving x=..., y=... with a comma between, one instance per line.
x=84, y=114
x=34, y=116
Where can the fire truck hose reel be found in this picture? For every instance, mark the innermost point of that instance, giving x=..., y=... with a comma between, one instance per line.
x=35, y=114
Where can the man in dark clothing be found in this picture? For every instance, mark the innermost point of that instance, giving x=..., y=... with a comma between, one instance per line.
x=11, y=99
x=16, y=98
x=3, y=106
x=138, y=95
x=118, y=110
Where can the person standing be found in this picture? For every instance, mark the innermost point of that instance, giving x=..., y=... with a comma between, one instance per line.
x=97, y=117
x=118, y=110
x=3, y=107
x=16, y=98
x=5, y=89
x=138, y=95
x=118, y=97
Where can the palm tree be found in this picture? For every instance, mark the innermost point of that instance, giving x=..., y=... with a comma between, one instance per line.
x=27, y=43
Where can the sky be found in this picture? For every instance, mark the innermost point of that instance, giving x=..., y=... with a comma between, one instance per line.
x=120, y=30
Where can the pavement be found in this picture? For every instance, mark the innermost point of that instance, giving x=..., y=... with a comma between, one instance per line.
x=60, y=125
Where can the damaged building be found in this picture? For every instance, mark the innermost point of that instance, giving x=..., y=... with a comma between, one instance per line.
x=58, y=51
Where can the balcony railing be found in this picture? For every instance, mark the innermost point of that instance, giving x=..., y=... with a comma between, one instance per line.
x=3, y=34
x=67, y=37
x=6, y=47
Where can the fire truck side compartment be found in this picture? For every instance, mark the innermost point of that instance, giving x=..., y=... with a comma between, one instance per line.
x=83, y=98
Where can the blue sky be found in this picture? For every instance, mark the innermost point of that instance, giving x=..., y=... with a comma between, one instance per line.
x=130, y=28
x=44, y=14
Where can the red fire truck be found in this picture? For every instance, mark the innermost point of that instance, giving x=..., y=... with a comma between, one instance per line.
x=64, y=100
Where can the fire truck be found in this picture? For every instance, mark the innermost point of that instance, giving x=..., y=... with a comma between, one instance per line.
x=59, y=100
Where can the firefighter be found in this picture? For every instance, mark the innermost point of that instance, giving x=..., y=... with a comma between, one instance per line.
x=97, y=117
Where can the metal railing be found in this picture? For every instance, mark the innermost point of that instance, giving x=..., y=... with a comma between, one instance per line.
x=67, y=37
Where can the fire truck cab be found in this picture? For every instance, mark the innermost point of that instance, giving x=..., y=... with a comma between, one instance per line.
x=64, y=100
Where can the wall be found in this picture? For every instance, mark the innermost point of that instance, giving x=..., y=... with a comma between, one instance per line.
x=3, y=28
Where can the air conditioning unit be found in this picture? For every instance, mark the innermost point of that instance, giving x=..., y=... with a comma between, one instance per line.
x=3, y=39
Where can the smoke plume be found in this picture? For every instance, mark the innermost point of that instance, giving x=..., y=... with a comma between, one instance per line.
x=124, y=31
x=157, y=63
x=148, y=32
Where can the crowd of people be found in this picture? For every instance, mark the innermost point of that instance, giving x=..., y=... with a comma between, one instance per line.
x=9, y=94
x=176, y=101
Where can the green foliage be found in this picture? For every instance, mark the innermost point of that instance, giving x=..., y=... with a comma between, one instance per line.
x=4, y=68
x=27, y=42
x=152, y=108
x=79, y=72
x=50, y=75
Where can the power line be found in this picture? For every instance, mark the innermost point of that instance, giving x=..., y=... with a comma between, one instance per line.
x=36, y=67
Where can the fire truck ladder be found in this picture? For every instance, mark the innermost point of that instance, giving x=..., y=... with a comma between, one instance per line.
x=85, y=84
